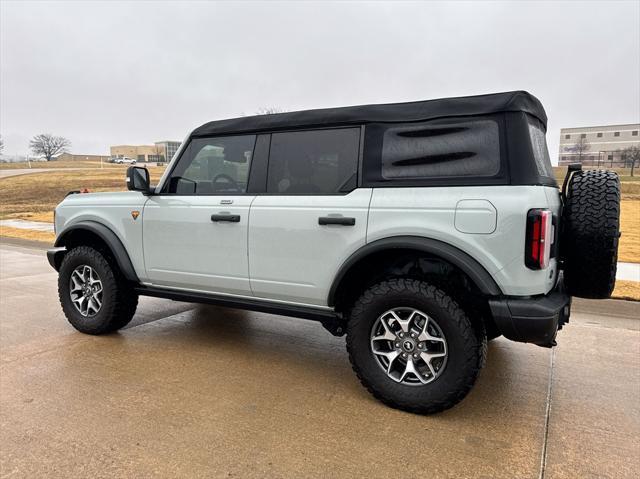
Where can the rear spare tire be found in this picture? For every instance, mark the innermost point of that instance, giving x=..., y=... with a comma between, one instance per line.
x=591, y=231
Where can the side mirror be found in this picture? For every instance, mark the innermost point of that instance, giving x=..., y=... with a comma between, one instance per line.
x=138, y=179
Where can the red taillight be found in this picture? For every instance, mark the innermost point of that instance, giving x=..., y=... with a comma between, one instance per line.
x=539, y=238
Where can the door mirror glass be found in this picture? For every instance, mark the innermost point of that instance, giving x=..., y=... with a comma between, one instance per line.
x=138, y=179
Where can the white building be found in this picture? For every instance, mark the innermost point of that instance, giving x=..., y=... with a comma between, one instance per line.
x=604, y=145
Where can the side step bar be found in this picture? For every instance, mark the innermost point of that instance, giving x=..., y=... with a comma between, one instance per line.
x=330, y=320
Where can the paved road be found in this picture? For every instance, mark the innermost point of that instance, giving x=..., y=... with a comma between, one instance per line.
x=191, y=391
x=28, y=225
x=628, y=271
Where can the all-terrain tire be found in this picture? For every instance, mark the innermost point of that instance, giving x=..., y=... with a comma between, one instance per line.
x=466, y=345
x=119, y=301
x=591, y=232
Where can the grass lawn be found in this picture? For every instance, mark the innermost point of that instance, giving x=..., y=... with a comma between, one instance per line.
x=59, y=164
x=627, y=290
x=34, y=196
x=629, y=249
x=32, y=235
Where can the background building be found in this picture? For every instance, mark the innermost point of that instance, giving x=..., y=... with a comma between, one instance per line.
x=160, y=152
x=598, y=145
x=170, y=148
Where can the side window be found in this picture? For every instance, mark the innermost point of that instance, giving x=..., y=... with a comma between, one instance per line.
x=315, y=162
x=214, y=166
x=428, y=150
x=539, y=147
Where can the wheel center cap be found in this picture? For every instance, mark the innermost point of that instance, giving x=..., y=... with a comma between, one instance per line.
x=408, y=345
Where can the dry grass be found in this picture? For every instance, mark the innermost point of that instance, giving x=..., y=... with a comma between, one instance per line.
x=8, y=232
x=623, y=173
x=53, y=165
x=45, y=216
x=59, y=164
x=627, y=290
x=34, y=196
x=629, y=249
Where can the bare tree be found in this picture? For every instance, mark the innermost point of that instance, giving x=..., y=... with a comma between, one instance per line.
x=631, y=155
x=1, y=145
x=581, y=147
x=269, y=110
x=48, y=145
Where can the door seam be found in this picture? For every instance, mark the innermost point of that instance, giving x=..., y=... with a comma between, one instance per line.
x=248, y=236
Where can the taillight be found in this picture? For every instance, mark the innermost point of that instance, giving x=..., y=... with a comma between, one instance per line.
x=537, y=250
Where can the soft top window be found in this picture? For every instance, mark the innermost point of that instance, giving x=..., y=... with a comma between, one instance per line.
x=313, y=162
x=452, y=149
x=539, y=147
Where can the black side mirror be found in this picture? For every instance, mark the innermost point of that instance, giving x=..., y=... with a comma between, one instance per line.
x=138, y=179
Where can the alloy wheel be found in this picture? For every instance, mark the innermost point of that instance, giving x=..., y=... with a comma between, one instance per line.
x=85, y=290
x=409, y=346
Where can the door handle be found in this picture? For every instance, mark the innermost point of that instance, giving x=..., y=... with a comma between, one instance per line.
x=336, y=220
x=228, y=218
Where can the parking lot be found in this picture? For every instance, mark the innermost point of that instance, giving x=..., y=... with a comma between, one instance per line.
x=195, y=391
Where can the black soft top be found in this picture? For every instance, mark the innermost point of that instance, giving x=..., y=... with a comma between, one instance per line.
x=514, y=101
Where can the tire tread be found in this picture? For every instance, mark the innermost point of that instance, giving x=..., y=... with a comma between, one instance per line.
x=121, y=303
x=591, y=222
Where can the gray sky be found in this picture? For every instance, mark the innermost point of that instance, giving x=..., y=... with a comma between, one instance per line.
x=138, y=72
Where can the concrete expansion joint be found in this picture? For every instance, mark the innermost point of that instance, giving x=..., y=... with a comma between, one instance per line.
x=545, y=436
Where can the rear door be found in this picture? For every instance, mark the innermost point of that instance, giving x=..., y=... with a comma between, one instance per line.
x=195, y=231
x=312, y=216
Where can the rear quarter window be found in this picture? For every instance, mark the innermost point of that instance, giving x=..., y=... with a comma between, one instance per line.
x=468, y=148
x=539, y=147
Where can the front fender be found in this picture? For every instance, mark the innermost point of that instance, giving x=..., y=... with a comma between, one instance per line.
x=107, y=236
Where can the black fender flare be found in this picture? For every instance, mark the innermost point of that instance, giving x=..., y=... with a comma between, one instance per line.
x=111, y=240
x=474, y=270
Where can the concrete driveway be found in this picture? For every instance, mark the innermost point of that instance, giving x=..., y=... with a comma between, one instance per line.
x=192, y=391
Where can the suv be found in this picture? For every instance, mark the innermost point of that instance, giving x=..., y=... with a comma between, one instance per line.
x=420, y=230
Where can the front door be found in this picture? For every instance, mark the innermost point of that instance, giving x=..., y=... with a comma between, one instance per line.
x=195, y=230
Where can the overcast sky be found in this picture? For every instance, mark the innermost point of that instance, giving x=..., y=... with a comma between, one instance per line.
x=138, y=72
